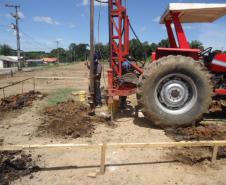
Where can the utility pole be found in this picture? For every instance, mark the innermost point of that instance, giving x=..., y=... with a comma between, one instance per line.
x=58, y=54
x=16, y=27
x=91, y=74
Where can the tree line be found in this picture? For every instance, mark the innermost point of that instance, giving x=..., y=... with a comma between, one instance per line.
x=80, y=52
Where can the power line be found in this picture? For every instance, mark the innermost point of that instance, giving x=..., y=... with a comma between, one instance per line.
x=37, y=42
x=99, y=1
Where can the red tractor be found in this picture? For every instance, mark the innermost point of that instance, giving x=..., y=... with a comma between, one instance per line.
x=180, y=83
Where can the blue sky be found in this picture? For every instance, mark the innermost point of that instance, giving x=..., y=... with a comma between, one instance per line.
x=45, y=21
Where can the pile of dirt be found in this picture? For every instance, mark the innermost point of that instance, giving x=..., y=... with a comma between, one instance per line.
x=201, y=155
x=19, y=101
x=191, y=156
x=14, y=165
x=201, y=132
x=68, y=119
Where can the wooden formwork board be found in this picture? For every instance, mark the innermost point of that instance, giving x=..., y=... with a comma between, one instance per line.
x=55, y=77
x=103, y=147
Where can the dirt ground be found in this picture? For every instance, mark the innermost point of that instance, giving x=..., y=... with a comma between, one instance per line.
x=15, y=164
x=125, y=166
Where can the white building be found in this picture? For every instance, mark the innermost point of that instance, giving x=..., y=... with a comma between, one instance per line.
x=8, y=62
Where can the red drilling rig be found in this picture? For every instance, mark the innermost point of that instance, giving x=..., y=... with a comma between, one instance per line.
x=180, y=83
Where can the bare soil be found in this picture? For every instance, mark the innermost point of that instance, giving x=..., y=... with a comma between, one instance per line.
x=14, y=165
x=19, y=101
x=68, y=119
x=124, y=166
x=201, y=132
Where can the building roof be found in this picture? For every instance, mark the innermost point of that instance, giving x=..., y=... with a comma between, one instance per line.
x=195, y=12
x=14, y=57
x=34, y=60
x=50, y=60
x=7, y=58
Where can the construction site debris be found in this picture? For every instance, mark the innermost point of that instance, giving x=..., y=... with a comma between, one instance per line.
x=19, y=101
x=14, y=165
x=68, y=119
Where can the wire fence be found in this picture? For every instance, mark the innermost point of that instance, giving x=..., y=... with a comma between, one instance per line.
x=43, y=84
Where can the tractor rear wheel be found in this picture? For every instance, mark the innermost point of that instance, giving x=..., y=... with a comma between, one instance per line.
x=175, y=91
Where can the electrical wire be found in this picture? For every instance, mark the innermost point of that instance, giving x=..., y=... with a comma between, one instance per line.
x=131, y=27
x=34, y=40
x=98, y=44
x=98, y=27
x=99, y=1
x=137, y=38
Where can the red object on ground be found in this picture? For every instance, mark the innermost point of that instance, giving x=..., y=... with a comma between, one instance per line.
x=50, y=60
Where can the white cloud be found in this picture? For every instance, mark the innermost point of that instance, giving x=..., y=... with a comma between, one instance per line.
x=156, y=19
x=21, y=15
x=45, y=19
x=8, y=15
x=86, y=3
x=212, y=35
x=185, y=27
x=57, y=23
x=143, y=29
x=59, y=39
x=71, y=25
x=98, y=4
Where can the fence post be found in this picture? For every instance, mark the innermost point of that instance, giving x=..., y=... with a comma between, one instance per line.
x=103, y=158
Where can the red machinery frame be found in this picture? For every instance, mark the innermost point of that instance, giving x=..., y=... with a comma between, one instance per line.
x=119, y=48
x=119, y=28
x=178, y=45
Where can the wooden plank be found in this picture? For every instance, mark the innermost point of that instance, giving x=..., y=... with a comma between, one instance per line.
x=54, y=77
x=117, y=145
x=103, y=158
x=47, y=146
x=168, y=144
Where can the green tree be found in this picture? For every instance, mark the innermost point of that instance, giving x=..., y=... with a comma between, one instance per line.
x=103, y=49
x=196, y=45
x=78, y=52
x=60, y=52
x=137, y=49
x=6, y=50
x=164, y=43
x=149, y=48
x=153, y=47
x=34, y=54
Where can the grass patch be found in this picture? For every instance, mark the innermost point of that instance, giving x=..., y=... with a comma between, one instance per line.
x=60, y=95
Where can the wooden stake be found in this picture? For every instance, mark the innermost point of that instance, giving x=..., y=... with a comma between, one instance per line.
x=3, y=90
x=22, y=87
x=214, y=155
x=33, y=84
x=103, y=158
